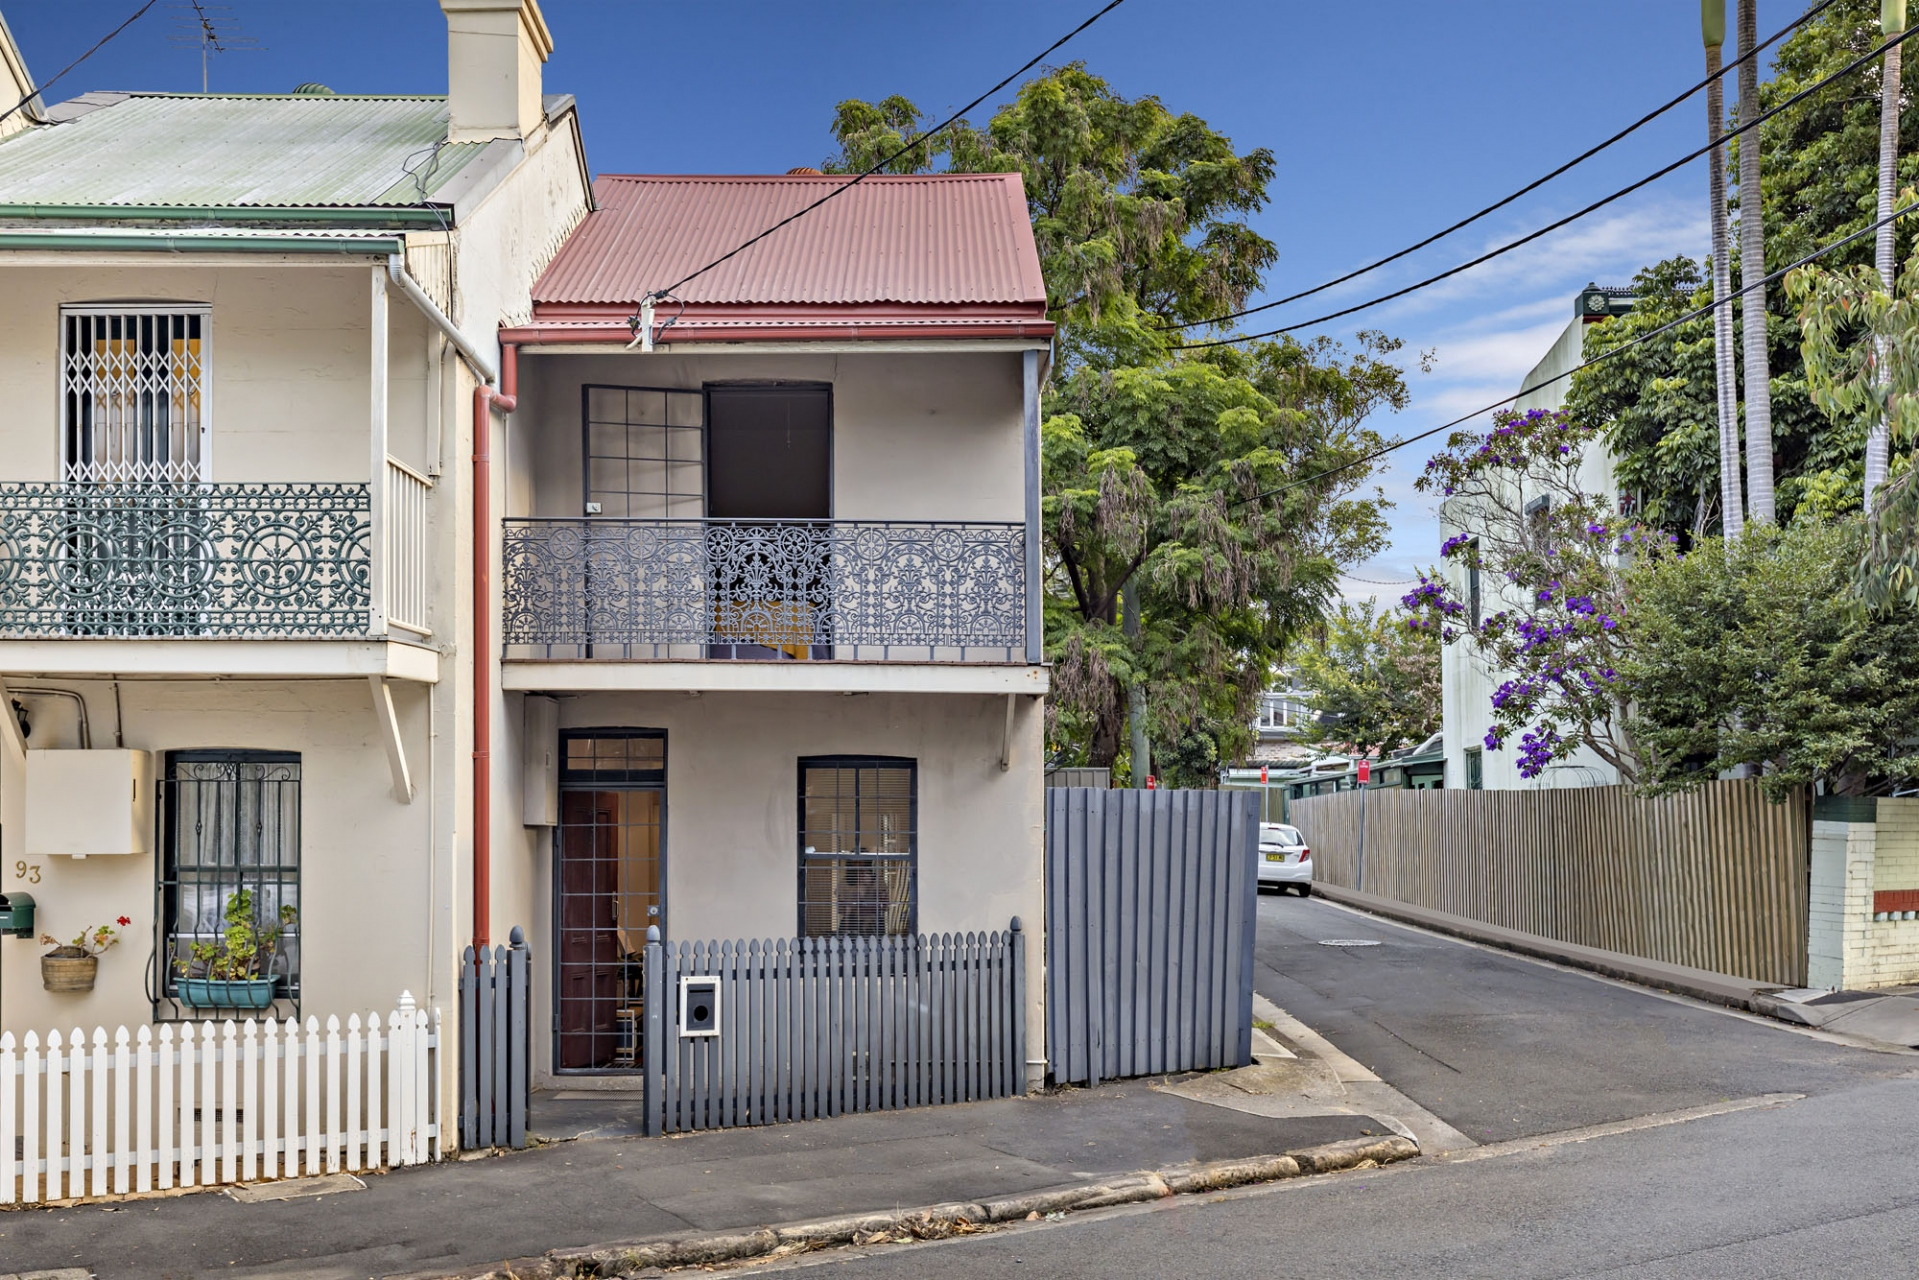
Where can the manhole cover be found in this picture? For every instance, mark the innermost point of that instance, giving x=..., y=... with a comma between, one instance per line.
x=1347, y=942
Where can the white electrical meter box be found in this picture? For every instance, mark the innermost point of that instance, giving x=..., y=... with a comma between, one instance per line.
x=540, y=763
x=85, y=803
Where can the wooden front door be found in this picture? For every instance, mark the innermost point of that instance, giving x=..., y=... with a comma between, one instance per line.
x=608, y=884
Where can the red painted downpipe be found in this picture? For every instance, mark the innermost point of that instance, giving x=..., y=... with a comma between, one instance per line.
x=485, y=400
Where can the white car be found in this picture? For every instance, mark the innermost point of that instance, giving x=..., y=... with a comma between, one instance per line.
x=1284, y=859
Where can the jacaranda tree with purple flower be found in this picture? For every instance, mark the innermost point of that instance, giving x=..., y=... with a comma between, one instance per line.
x=1552, y=611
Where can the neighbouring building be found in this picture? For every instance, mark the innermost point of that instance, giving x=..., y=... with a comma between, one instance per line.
x=770, y=659
x=241, y=337
x=1467, y=680
x=1279, y=730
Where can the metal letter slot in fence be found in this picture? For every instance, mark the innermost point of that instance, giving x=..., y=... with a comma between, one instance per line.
x=494, y=1084
x=812, y=1027
x=1151, y=904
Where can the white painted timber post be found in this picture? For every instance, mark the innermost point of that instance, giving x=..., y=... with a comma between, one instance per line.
x=1029, y=448
x=376, y=475
x=9, y=1166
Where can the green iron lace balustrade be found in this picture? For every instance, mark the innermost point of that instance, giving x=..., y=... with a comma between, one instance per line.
x=880, y=590
x=184, y=560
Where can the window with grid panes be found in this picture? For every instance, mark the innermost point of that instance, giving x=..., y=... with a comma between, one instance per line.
x=859, y=846
x=133, y=404
x=230, y=825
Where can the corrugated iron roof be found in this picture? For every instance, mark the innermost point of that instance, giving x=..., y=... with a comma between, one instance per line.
x=946, y=241
x=248, y=151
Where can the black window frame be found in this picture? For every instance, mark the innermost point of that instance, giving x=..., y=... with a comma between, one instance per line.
x=911, y=857
x=168, y=877
x=1474, y=608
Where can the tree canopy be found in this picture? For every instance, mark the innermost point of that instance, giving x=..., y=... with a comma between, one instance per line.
x=1371, y=680
x=1154, y=460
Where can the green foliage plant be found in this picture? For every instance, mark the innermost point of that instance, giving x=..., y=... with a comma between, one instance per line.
x=245, y=950
x=1755, y=653
x=1552, y=555
x=1372, y=681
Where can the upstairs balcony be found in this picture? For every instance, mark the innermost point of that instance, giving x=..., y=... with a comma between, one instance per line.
x=153, y=578
x=784, y=603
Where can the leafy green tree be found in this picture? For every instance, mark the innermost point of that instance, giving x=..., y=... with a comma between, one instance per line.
x=1373, y=681
x=1655, y=403
x=1153, y=459
x=1139, y=213
x=1150, y=479
x=1753, y=653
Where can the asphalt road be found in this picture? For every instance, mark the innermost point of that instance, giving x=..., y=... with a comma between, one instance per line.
x=1516, y=1054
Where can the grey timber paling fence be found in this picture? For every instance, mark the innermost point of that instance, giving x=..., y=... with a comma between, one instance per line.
x=1714, y=879
x=812, y=1027
x=494, y=1085
x=1151, y=902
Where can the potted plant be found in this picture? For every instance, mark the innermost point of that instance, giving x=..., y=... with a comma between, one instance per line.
x=72, y=966
x=235, y=972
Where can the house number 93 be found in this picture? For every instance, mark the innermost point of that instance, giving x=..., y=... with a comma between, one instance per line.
x=30, y=872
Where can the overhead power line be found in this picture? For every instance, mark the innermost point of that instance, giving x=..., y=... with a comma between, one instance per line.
x=1530, y=187
x=910, y=144
x=1601, y=358
x=1596, y=205
x=45, y=85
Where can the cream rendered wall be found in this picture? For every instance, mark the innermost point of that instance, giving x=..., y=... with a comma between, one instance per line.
x=367, y=880
x=1467, y=681
x=732, y=816
x=289, y=356
x=916, y=436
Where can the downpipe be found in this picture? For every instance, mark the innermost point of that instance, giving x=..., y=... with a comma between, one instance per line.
x=485, y=399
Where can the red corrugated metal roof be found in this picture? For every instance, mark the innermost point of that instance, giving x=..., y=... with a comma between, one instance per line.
x=920, y=249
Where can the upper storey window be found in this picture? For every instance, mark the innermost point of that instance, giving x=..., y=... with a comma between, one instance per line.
x=133, y=394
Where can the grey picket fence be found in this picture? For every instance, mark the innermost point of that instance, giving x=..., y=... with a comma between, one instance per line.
x=1151, y=905
x=813, y=1027
x=494, y=1019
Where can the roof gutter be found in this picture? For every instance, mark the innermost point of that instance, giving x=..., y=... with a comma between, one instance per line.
x=375, y=217
x=403, y=280
x=207, y=242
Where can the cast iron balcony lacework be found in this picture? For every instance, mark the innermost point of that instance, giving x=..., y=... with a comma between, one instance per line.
x=881, y=590
x=184, y=560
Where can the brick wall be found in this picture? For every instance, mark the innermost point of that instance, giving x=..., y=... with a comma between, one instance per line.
x=1864, y=902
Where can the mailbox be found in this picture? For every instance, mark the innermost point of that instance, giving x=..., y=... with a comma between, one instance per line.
x=16, y=914
x=700, y=1005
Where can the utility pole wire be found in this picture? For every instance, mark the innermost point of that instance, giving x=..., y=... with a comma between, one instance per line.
x=45, y=85
x=1596, y=205
x=1603, y=356
x=1528, y=189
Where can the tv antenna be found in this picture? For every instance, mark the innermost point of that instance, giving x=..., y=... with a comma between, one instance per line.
x=212, y=29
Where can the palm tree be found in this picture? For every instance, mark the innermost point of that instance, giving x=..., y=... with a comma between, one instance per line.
x=1712, y=27
x=1892, y=21
x=1752, y=271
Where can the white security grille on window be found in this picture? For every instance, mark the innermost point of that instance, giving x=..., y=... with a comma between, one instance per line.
x=133, y=394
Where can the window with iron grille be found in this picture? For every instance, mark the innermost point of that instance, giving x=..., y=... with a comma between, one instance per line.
x=230, y=826
x=859, y=846
x=133, y=405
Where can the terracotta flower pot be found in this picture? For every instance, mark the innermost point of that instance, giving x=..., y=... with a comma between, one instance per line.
x=68, y=973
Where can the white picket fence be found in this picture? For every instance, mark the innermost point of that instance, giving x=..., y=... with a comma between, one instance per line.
x=205, y=1104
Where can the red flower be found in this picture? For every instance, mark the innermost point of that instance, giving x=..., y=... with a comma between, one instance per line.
x=125, y=921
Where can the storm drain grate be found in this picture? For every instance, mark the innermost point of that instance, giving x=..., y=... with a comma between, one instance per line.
x=1348, y=942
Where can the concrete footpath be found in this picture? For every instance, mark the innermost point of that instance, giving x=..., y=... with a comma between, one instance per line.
x=611, y=1187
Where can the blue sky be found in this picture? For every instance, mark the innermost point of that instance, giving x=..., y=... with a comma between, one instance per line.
x=1388, y=121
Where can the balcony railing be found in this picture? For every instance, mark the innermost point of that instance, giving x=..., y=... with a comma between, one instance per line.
x=184, y=560
x=877, y=590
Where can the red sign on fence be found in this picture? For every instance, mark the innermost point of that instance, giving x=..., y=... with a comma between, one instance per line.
x=1365, y=772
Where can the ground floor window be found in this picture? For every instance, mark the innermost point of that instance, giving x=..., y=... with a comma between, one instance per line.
x=229, y=883
x=1475, y=769
x=859, y=846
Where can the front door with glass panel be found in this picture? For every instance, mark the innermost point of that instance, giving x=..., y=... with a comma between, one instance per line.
x=608, y=880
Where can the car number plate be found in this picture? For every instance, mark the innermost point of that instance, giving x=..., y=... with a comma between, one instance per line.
x=1275, y=857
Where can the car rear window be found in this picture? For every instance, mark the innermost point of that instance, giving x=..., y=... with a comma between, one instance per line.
x=1280, y=835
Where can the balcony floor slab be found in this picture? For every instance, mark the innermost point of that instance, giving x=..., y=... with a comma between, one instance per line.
x=743, y=676
x=239, y=659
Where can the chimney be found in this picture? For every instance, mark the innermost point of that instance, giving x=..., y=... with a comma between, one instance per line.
x=494, y=49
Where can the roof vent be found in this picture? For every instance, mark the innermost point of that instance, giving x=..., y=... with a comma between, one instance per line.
x=312, y=89
x=805, y=168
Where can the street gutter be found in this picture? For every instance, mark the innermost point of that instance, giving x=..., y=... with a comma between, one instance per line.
x=1700, y=984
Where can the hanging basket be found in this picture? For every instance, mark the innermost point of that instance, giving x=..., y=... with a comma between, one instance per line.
x=68, y=973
